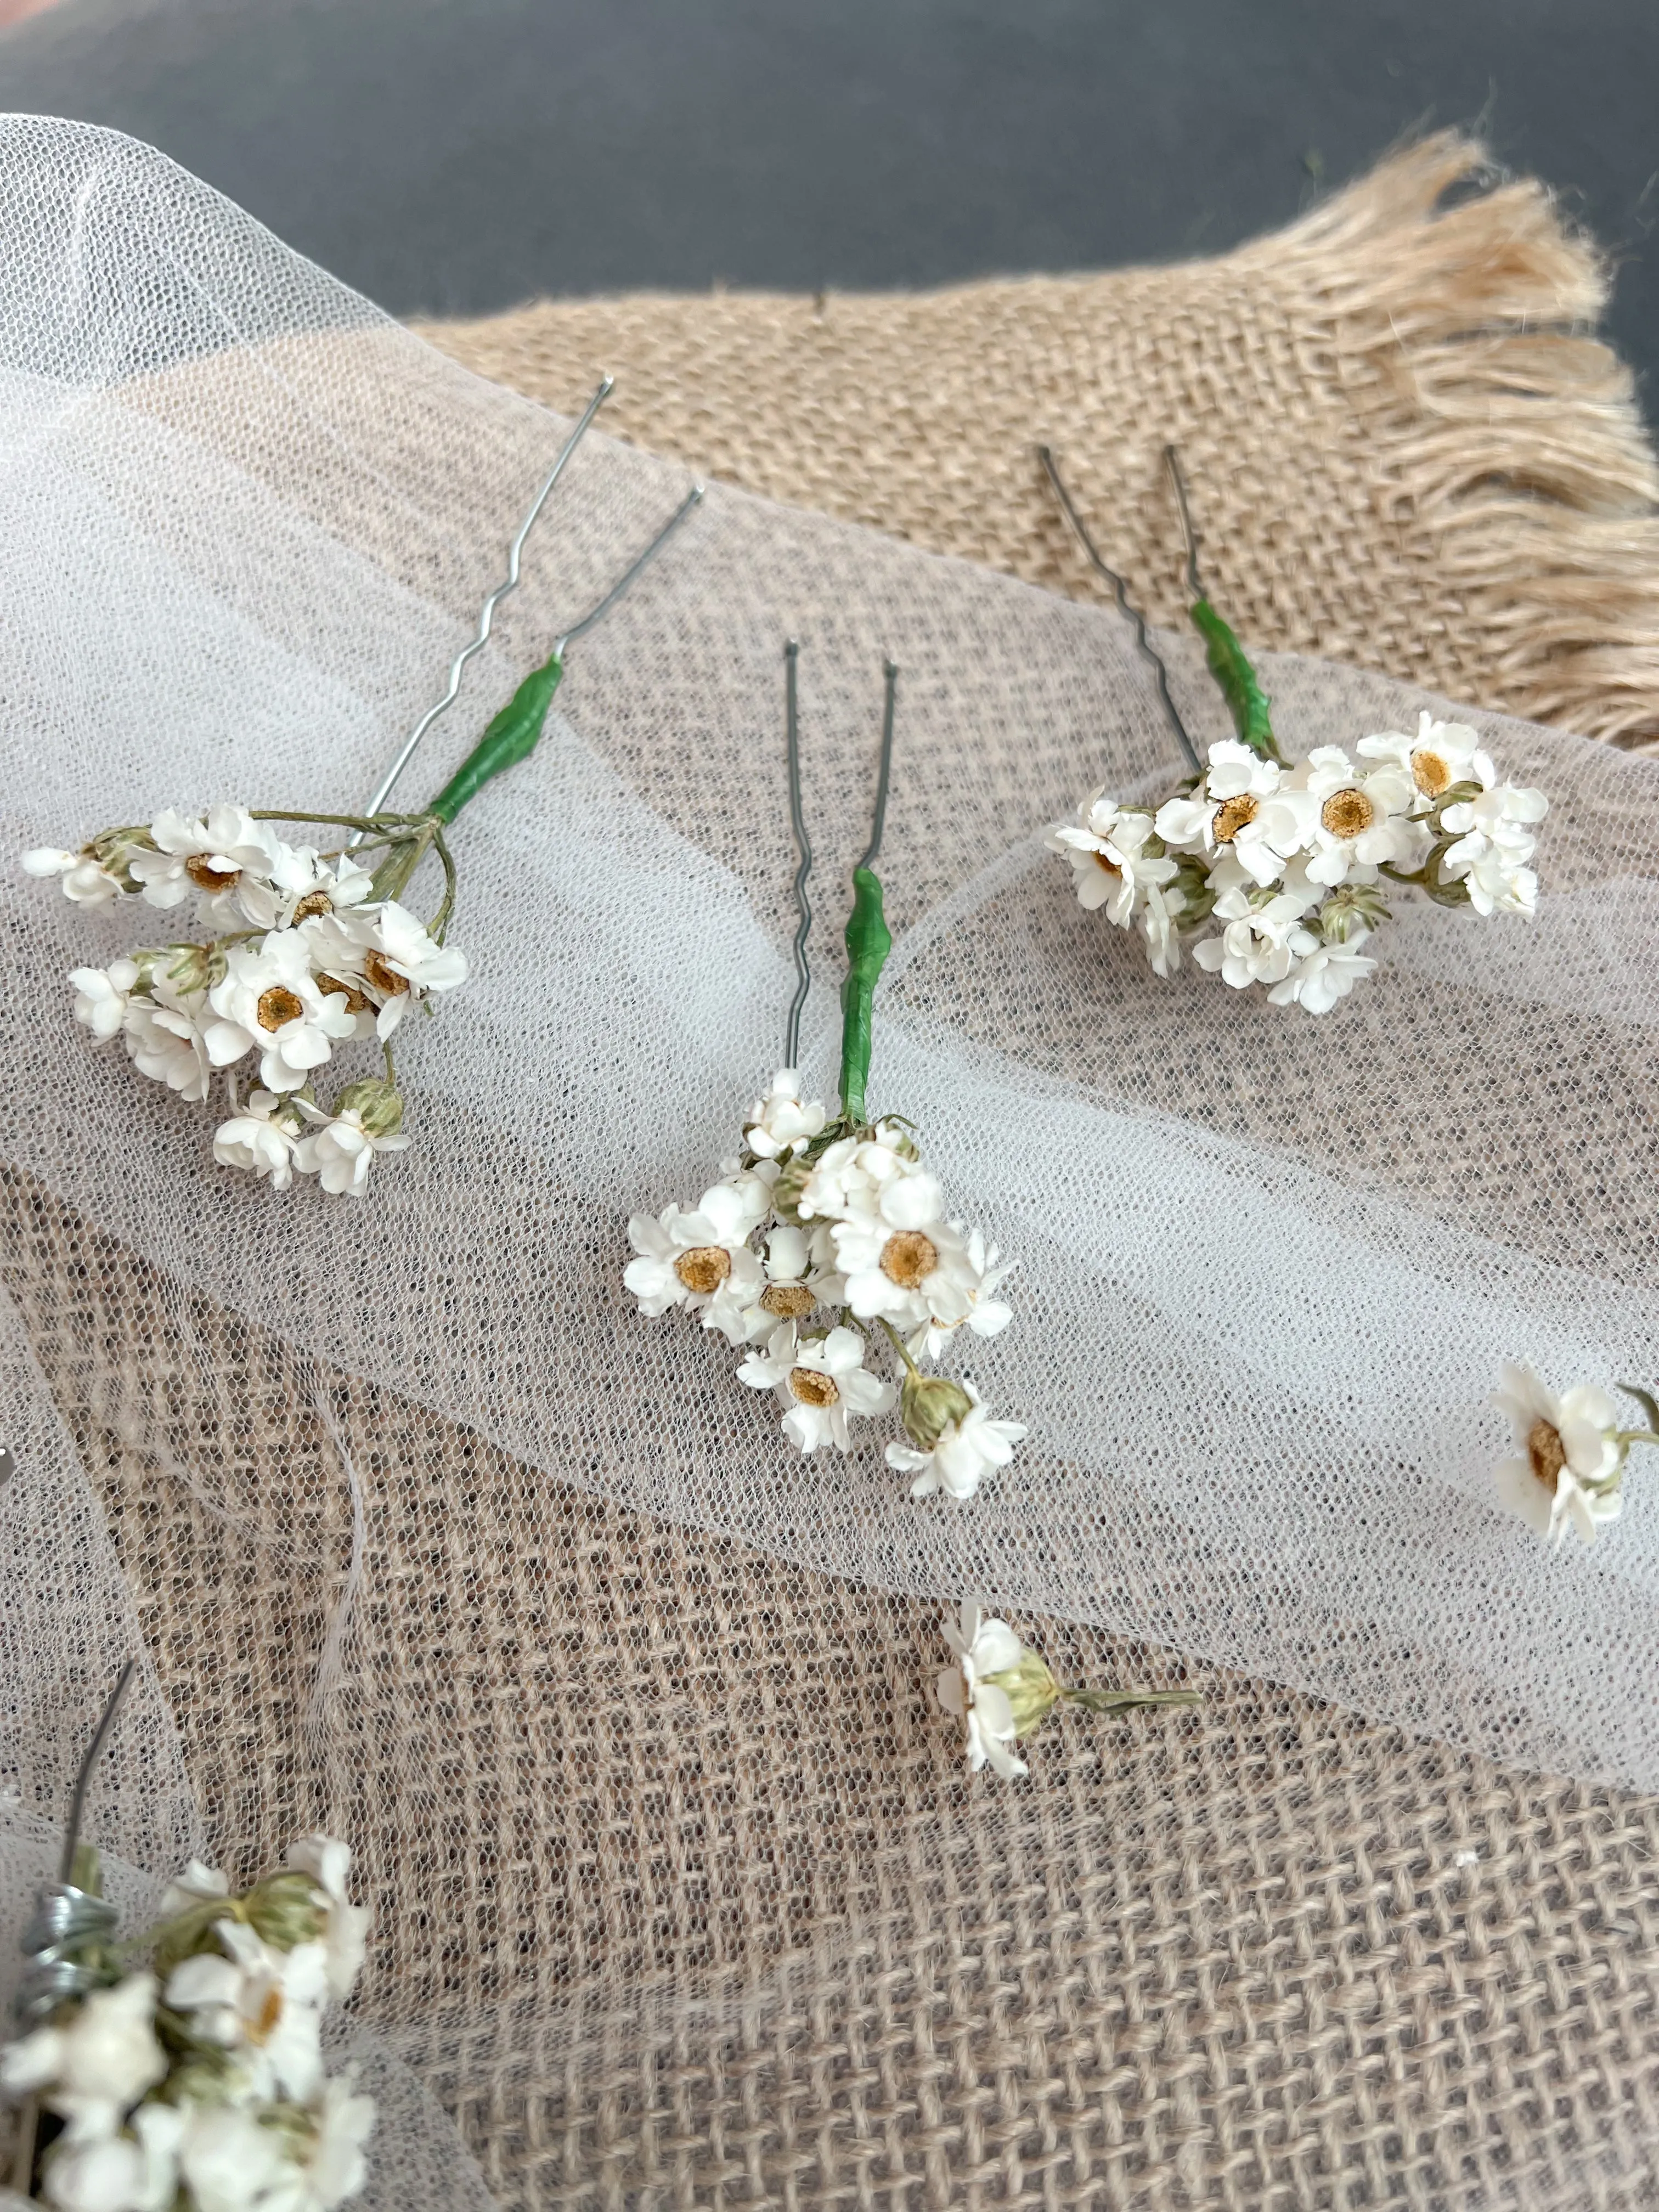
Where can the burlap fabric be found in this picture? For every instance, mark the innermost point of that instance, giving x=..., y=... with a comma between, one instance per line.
x=1410, y=454
x=1295, y=1959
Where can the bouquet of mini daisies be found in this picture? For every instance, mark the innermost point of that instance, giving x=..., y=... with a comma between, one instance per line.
x=827, y=1244
x=310, y=950
x=183, y=2072
x=1291, y=867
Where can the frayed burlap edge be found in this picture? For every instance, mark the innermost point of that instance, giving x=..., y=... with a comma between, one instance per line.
x=1406, y=450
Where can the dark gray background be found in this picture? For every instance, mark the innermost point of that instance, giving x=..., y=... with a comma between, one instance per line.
x=459, y=155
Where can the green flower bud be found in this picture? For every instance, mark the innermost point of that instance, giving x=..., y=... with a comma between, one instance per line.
x=286, y=1909
x=376, y=1102
x=928, y=1404
x=192, y=966
x=786, y=1190
x=1350, y=907
x=113, y=848
x=1030, y=1689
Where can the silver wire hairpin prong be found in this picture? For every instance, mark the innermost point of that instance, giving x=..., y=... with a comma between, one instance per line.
x=1126, y=607
x=8, y=1465
x=95, y=1752
x=802, y=846
x=487, y=613
x=1189, y=535
x=878, y=820
x=625, y=581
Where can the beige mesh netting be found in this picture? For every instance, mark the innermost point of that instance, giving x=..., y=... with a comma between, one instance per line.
x=682, y=1894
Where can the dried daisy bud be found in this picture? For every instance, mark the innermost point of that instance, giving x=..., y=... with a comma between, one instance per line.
x=377, y=1104
x=928, y=1404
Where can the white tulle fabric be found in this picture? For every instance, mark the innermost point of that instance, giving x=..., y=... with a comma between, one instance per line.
x=1270, y=1264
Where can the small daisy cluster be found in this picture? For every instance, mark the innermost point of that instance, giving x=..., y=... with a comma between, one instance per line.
x=311, y=952
x=196, y=2084
x=1291, y=864
x=1000, y=1690
x=1568, y=1469
x=825, y=1242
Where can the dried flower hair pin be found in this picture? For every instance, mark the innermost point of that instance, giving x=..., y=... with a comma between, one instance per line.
x=313, y=949
x=826, y=1243
x=194, y=2081
x=1292, y=863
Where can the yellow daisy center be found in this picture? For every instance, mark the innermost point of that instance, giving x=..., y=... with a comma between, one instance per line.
x=813, y=1387
x=1347, y=814
x=703, y=1268
x=1232, y=815
x=789, y=1301
x=1547, y=1452
x=908, y=1258
x=383, y=976
x=279, y=1004
x=202, y=873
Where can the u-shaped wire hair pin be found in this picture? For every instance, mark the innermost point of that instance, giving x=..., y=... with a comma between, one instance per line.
x=480, y=637
x=878, y=819
x=1125, y=607
x=803, y=850
x=1189, y=535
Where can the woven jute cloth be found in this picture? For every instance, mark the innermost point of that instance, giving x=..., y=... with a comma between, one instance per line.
x=1266, y=1953
x=1405, y=451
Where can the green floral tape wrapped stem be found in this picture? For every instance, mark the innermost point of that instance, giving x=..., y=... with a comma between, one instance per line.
x=512, y=736
x=869, y=941
x=1229, y=664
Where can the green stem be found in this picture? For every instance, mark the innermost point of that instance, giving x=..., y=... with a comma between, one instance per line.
x=512, y=736
x=869, y=941
x=1123, y=1701
x=1247, y=701
x=899, y=1345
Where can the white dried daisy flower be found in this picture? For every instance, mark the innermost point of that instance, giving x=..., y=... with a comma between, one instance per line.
x=1566, y=1474
x=270, y=1001
x=820, y=1382
x=342, y=1148
x=783, y=1123
x=260, y=1139
x=1226, y=811
x=789, y=1292
x=849, y=1176
x=166, y=1031
x=687, y=1255
x=387, y=954
x=229, y=2162
x=332, y=2162
x=967, y=1446
x=984, y=1647
x=136, y=2171
x=263, y=2004
x=1439, y=755
x=94, y=2065
x=345, y=1925
x=101, y=996
x=1324, y=975
x=82, y=875
x=1350, y=818
x=1258, y=943
x=1110, y=866
x=210, y=855
x=302, y=886
x=987, y=1315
